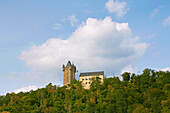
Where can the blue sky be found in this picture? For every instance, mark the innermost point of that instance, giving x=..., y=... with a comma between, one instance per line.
x=31, y=29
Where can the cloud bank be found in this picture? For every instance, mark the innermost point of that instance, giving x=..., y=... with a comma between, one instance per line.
x=117, y=7
x=95, y=45
x=164, y=69
x=26, y=89
x=130, y=69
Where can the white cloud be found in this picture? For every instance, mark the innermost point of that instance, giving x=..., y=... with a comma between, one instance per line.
x=166, y=22
x=130, y=69
x=117, y=7
x=95, y=45
x=164, y=69
x=73, y=20
x=156, y=10
x=57, y=26
x=26, y=89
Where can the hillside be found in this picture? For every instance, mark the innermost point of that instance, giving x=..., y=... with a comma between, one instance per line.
x=144, y=93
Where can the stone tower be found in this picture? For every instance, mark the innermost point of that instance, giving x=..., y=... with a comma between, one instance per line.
x=69, y=73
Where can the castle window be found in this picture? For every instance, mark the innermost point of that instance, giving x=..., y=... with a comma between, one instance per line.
x=89, y=82
x=86, y=82
x=89, y=78
x=82, y=78
x=86, y=79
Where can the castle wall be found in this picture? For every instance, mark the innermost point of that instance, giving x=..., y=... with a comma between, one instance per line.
x=87, y=80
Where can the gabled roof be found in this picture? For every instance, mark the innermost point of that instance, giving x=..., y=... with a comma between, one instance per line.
x=92, y=73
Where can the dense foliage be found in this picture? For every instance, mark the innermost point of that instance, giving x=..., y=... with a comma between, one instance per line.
x=145, y=93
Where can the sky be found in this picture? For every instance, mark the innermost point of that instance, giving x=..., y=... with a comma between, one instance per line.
x=37, y=37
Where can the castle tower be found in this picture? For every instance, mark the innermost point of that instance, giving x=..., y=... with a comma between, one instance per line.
x=69, y=73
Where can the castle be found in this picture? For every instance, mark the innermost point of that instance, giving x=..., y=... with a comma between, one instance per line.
x=85, y=78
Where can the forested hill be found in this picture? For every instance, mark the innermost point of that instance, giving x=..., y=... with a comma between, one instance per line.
x=145, y=93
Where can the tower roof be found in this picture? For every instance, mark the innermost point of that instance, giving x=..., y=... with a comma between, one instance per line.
x=68, y=64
